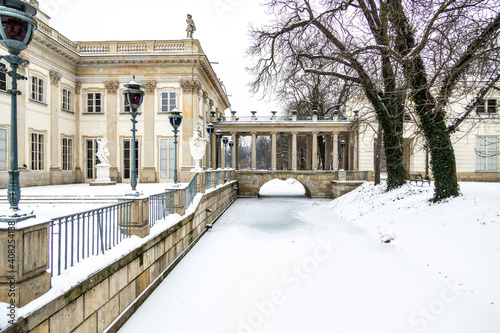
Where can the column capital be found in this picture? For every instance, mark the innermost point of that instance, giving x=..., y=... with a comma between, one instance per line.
x=294, y=132
x=210, y=103
x=78, y=87
x=190, y=86
x=274, y=132
x=111, y=86
x=315, y=132
x=55, y=78
x=234, y=133
x=253, y=133
x=150, y=86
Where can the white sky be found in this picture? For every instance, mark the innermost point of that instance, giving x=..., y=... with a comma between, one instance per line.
x=222, y=28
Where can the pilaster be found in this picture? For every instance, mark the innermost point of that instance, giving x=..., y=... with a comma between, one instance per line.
x=190, y=101
x=149, y=174
x=111, y=128
x=55, y=165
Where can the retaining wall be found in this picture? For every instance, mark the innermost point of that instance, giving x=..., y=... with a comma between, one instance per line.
x=105, y=300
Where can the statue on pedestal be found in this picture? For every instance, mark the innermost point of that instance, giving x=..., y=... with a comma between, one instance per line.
x=102, y=168
x=102, y=151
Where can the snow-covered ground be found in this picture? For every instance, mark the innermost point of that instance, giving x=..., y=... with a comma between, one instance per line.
x=305, y=265
x=302, y=265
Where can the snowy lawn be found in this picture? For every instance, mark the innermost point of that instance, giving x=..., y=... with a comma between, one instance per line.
x=304, y=265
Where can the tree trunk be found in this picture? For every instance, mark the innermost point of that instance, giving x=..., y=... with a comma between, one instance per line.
x=378, y=151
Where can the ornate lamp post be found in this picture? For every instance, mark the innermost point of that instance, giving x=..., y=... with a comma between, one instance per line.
x=218, y=135
x=342, y=146
x=225, y=140
x=134, y=96
x=231, y=144
x=16, y=32
x=175, y=117
x=210, y=131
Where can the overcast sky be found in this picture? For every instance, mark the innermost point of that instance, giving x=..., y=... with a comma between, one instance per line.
x=222, y=28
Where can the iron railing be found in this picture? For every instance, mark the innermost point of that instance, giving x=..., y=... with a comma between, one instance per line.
x=79, y=236
x=160, y=206
x=191, y=191
x=208, y=180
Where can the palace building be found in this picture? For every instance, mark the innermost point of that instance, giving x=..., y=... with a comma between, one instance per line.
x=73, y=96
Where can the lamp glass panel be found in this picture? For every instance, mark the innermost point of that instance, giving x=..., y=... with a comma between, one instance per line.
x=15, y=28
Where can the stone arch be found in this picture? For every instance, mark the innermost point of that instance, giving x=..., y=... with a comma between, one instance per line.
x=302, y=179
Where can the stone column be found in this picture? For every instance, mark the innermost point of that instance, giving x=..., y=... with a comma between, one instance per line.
x=273, y=151
x=234, y=151
x=55, y=165
x=237, y=152
x=335, y=146
x=148, y=174
x=327, y=151
x=223, y=154
x=254, y=150
x=315, y=151
x=111, y=127
x=294, y=151
x=308, y=153
x=290, y=152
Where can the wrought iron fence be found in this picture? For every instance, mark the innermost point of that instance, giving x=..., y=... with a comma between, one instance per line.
x=79, y=236
x=191, y=191
x=160, y=206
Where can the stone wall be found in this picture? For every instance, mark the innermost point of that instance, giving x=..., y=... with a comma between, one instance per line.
x=111, y=296
x=318, y=184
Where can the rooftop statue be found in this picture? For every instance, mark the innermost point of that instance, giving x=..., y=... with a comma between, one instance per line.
x=191, y=27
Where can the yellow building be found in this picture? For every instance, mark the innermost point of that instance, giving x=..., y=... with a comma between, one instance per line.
x=74, y=96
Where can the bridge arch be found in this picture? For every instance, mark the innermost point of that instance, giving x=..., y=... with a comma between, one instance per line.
x=284, y=187
x=317, y=184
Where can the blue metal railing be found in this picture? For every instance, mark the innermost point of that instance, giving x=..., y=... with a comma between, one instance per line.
x=160, y=206
x=208, y=180
x=217, y=178
x=79, y=236
x=191, y=191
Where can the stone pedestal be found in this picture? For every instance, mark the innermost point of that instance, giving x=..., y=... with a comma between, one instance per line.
x=139, y=222
x=103, y=177
x=24, y=259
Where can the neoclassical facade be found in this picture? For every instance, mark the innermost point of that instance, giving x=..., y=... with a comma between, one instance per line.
x=73, y=96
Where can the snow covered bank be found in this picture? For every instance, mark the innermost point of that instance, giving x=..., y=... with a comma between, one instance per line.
x=458, y=239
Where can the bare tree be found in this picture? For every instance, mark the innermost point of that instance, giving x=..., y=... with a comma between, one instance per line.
x=342, y=40
x=437, y=42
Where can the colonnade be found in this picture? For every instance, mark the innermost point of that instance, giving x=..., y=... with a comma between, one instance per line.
x=336, y=141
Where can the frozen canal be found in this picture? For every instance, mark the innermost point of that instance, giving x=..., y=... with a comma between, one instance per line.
x=291, y=265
